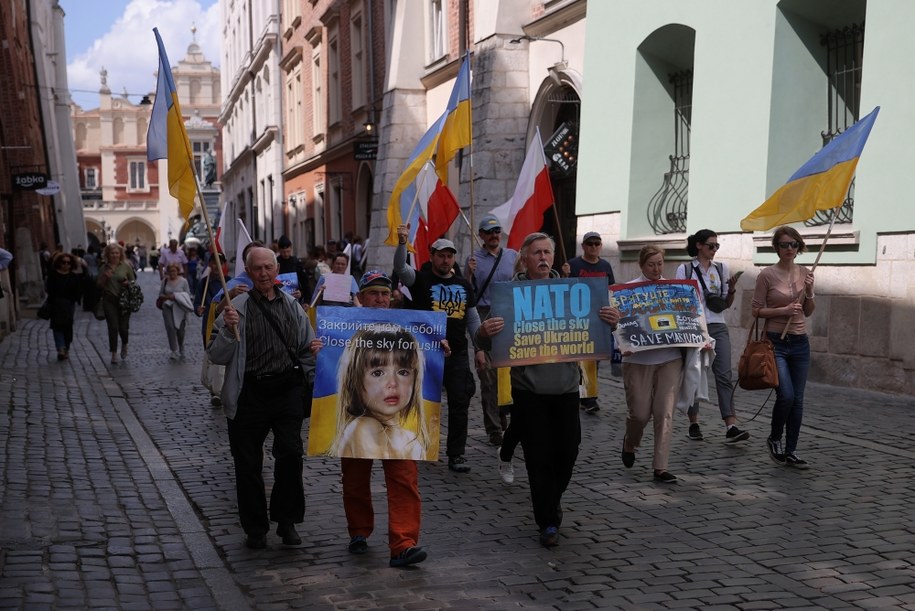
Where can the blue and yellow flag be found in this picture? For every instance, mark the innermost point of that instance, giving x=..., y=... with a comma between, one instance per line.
x=167, y=138
x=820, y=184
x=457, y=129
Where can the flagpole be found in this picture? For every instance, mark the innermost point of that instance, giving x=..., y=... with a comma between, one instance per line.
x=474, y=238
x=803, y=296
x=562, y=244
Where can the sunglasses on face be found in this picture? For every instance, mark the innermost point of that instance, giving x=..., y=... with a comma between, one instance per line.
x=794, y=245
x=592, y=243
x=492, y=231
x=712, y=246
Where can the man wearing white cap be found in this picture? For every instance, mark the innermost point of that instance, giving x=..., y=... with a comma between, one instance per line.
x=487, y=265
x=441, y=290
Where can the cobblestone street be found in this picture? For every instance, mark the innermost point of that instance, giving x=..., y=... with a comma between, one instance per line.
x=118, y=492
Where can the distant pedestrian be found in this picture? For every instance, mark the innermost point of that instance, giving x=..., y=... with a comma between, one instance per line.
x=717, y=292
x=545, y=404
x=267, y=371
x=114, y=274
x=590, y=265
x=651, y=379
x=65, y=287
x=172, y=254
x=784, y=296
x=175, y=301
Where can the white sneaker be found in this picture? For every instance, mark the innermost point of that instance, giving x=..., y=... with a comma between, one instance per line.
x=506, y=469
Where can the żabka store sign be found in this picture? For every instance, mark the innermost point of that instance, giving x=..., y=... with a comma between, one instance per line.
x=30, y=181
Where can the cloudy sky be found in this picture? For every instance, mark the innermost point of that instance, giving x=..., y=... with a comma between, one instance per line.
x=117, y=35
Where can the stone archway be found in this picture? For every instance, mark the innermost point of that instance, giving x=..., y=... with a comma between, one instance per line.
x=135, y=231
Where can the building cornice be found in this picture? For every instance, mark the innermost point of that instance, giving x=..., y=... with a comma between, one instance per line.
x=557, y=19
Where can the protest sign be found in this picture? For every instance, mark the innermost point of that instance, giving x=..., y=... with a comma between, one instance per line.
x=337, y=287
x=378, y=383
x=550, y=321
x=288, y=282
x=659, y=314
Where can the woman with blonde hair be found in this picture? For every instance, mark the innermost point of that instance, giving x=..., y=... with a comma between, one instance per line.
x=114, y=275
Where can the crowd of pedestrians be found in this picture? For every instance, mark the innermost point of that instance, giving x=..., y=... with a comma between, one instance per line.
x=260, y=341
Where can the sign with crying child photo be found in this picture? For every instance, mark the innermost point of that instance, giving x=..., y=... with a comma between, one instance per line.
x=378, y=384
x=550, y=321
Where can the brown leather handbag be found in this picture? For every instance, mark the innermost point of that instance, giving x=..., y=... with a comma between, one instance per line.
x=757, y=370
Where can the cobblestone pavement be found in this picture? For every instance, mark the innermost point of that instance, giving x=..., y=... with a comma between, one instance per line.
x=117, y=492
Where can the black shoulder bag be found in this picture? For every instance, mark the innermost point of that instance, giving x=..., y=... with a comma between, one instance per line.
x=715, y=303
x=296, y=364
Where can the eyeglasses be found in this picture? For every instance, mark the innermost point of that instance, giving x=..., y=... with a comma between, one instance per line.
x=712, y=245
x=62, y=263
x=492, y=231
x=793, y=245
x=592, y=243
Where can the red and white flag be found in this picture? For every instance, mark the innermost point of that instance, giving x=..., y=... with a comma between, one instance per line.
x=437, y=210
x=242, y=240
x=523, y=213
x=220, y=227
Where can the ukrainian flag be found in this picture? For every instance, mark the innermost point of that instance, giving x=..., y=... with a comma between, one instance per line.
x=450, y=133
x=167, y=138
x=820, y=184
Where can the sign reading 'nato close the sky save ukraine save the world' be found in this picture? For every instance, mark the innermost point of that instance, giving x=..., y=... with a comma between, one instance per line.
x=550, y=321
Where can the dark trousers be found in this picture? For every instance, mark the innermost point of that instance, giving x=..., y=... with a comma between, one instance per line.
x=550, y=434
x=118, y=322
x=263, y=408
x=459, y=386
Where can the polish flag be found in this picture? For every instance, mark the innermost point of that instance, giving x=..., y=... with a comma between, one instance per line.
x=437, y=210
x=523, y=213
x=242, y=239
x=220, y=228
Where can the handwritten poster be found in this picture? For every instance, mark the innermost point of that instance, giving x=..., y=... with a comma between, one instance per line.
x=660, y=314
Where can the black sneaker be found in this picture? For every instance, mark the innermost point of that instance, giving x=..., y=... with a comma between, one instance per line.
x=458, y=464
x=495, y=439
x=734, y=435
x=793, y=460
x=411, y=555
x=286, y=531
x=775, y=451
x=695, y=433
x=591, y=408
x=358, y=545
x=665, y=477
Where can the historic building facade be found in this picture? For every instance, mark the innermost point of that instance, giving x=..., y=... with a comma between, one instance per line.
x=121, y=195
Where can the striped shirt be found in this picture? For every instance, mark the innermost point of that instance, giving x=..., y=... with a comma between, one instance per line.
x=266, y=352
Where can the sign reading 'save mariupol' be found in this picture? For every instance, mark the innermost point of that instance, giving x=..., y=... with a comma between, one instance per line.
x=550, y=321
x=659, y=314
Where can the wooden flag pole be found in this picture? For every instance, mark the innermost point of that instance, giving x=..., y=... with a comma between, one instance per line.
x=562, y=246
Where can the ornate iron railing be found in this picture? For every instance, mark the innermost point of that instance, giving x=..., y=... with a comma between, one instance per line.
x=667, y=207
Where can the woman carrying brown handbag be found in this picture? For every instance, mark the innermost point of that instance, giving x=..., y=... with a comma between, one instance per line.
x=784, y=296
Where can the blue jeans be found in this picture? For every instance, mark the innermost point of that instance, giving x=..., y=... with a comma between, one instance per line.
x=792, y=358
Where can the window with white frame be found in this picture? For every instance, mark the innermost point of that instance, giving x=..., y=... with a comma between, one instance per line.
x=137, y=176
x=291, y=12
x=91, y=181
x=317, y=95
x=295, y=134
x=357, y=56
x=436, y=29
x=333, y=77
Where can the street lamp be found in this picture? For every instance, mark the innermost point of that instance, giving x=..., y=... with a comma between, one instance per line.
x=556, y=68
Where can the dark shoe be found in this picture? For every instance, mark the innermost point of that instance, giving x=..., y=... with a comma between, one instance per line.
x=60, y=355
x=628, y=457
x=549, y=537
x=411, y=555
x=695, y=433
x=664, y=477
x=286, y=531
x=215, y=401
x=775, y=451
x=495, y=439
x=256, y=541
x=793, y=460
x=592, y=408
x=734, y=435
x=358, y=545
x=458, y=464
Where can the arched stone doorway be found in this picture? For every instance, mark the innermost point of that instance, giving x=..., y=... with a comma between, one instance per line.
x=136, y=231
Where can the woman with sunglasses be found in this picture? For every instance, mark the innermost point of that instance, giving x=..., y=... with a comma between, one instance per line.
x=784, y=297
x=717, y=293
x=65, y=286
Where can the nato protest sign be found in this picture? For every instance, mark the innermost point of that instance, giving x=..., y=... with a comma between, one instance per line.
x=550, y=321
x=288, y=282
x=659, y=314
x=378, y=383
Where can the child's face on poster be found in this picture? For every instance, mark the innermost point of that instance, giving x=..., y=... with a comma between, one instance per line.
x=388, y=390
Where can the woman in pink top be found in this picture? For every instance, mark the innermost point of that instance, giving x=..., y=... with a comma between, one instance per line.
x=784, y=297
